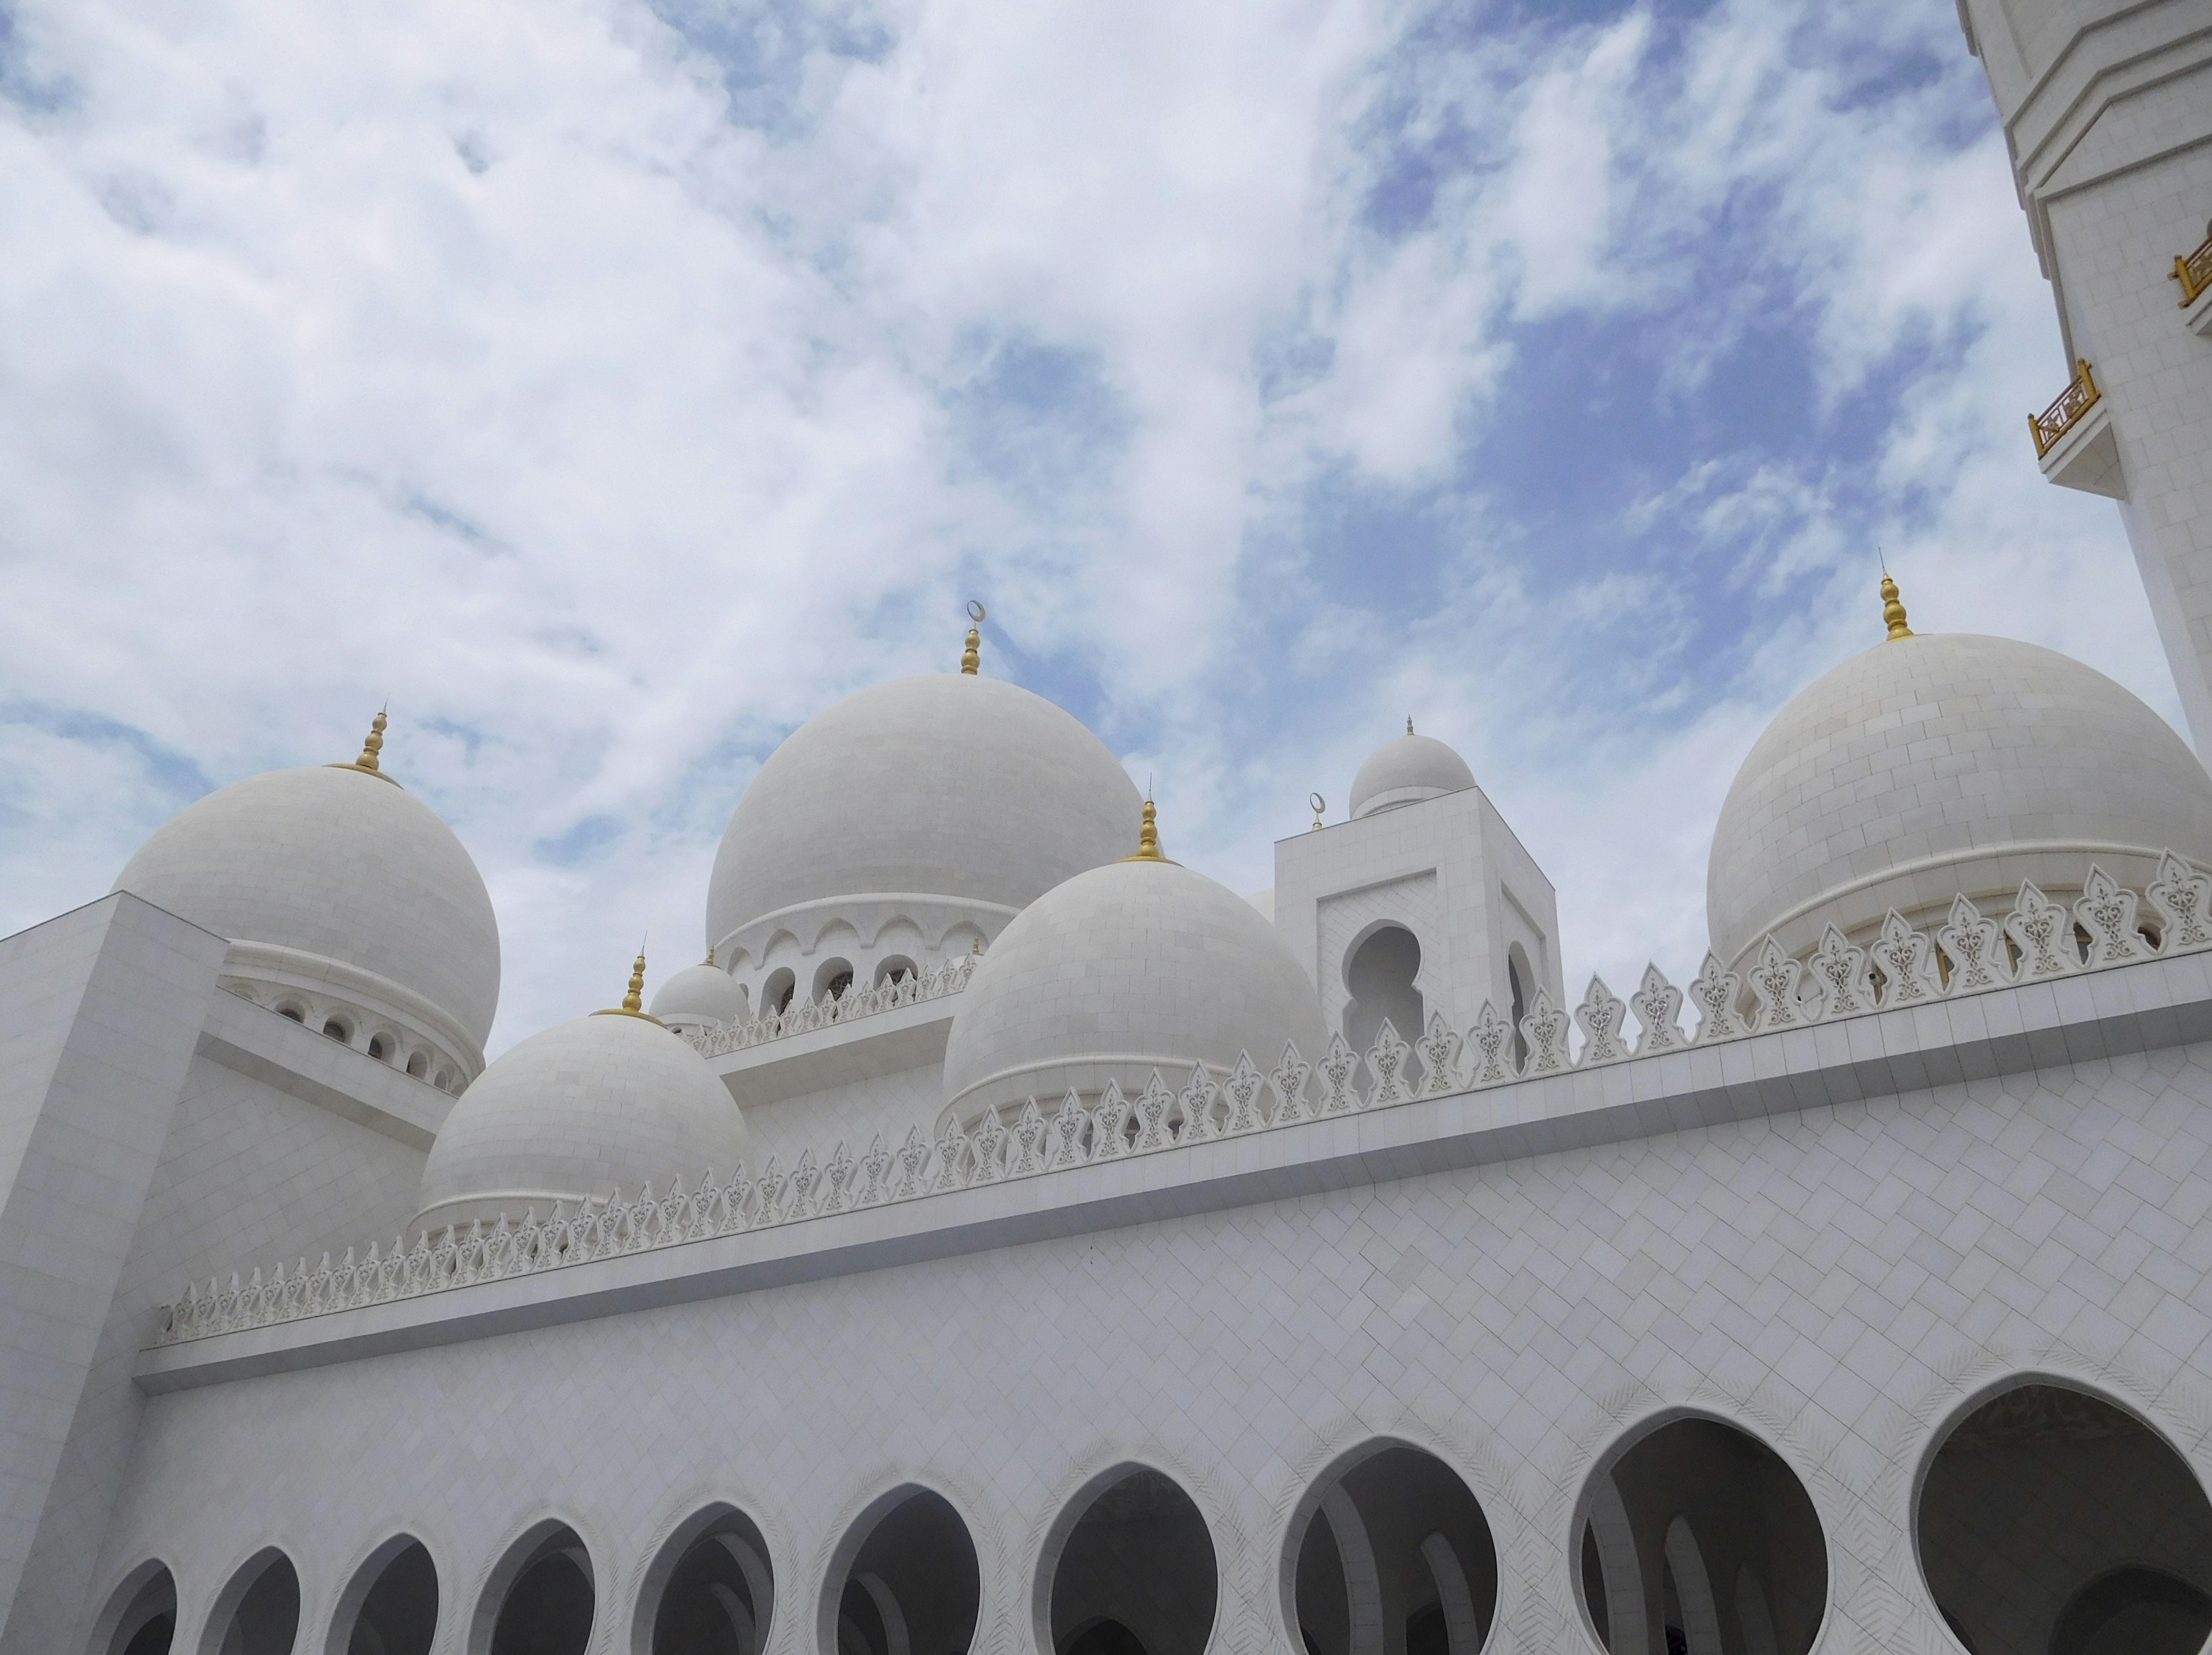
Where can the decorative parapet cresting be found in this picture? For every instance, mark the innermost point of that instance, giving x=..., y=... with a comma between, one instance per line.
x=947, y=979
x=1970, y=953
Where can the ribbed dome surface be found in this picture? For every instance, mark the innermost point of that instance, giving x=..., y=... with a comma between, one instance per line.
x=944, y=785
x=1936, y=765
x=577, y=1110
x=339, y=866
x=1122, y=970
x=1406, y=771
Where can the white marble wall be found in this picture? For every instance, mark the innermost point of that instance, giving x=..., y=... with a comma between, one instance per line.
x=1841, y=1280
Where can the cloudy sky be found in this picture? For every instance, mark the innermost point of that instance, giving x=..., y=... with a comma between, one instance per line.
x=614, y=384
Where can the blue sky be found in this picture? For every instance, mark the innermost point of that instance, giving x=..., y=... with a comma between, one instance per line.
x=614, y=385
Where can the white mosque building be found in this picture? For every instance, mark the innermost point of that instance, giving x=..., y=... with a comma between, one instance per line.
x=1010, y=1240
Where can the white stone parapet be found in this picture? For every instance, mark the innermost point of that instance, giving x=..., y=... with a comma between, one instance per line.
x=947, y=979
x=2037, y=941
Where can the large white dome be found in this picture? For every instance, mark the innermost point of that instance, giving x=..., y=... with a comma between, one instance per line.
x=331, y=879
x=1932, y=766
x=1406, y=771
x=945, y=786
x=1128, y=967
x=585, y=1107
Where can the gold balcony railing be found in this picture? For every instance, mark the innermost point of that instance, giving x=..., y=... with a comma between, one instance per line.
x=2194, y=270
x=2056, y=421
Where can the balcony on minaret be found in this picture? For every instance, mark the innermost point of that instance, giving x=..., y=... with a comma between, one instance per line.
x=2074, y=439
x=2194, y=271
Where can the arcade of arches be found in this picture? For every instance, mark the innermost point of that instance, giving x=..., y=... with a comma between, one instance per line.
x=2049, y=1522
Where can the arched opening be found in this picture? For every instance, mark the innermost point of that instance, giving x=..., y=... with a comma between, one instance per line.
x=2050, y=1520
x=895, y=969
x=298, y=1014
x=444, y=1081
x=776, y=993
x=418, y=1064
x=1394, y=1553
x=1379, y=977
x=1132, y=1572
x=912, y=1585
x=1521, y=988
x=390, y=1605
x=710, y=1593
x=832, y=977
x=378, y=1048
x=258, y=1613
x=141, y=1617
x=1699, y=1539
x=335, y=1027
x=541, y=1598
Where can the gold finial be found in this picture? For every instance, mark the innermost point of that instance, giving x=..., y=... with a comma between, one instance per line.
x=366, y=763
x=633, y=1002
x=1319, y=805
x=1409, y=724
x=971, y=659
x=1893, y=611
x=1148, y=838
x=710, y=957
x=978, y=949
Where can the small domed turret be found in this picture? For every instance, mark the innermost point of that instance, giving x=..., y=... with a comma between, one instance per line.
x=700, y=997
x=613, y=1101
x=1406, y=771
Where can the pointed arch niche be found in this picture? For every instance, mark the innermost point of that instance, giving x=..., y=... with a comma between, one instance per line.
x=141, y=1615
x=1128, y=1569
x=1693, y=1536
x=710, y=1591
x=257, y=1610
x=390, y=1607
x=1390, y=1551
x=541, y=1598
x=904, y=1581
x=2052, y=1521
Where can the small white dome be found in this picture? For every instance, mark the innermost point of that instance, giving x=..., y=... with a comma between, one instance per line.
x=1129, y=968
x=584, y=1108
x=699, y=995
x=328, y=879
x=1939, y=765
x=943, y=786
x=1406, y=771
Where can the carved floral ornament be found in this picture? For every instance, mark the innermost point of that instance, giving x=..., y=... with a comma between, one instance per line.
x=1970, y=953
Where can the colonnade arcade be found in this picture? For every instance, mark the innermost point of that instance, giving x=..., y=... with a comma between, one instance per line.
x=2048, y=1521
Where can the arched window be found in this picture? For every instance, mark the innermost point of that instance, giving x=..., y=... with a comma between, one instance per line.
x=910, y=1584
x=1133, y=1570
x=832, y=977
x=1520, y=985
x=390, y=1605
x=418, y=1064
x=378, y=1049
x=336, y=1028
x=541, y=1598
x=1379, y=977
x=1394, y=1541
x=2051, y=1521
x=1684, y=1514
x=776, y=993
x=258, y=1612
x=141, y=1617
x=895, y=969
x=710, y=1593
x=293, y=1012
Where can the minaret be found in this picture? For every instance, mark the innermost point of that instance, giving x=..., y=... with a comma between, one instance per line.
x=2107, y=110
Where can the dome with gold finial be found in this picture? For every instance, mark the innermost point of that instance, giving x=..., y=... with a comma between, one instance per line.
x=348, y=904
x=610, y=1101
x=1941, y=764
x=933, y=807
x=1138, y=965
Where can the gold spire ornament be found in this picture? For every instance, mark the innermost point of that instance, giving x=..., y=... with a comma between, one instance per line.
x=1893, y=611
x=366, y=763
x=1148, y=838
x=971, y=659
x=710, y=957
x=1319, y=805
x=633, y=1002
x=1409, y=724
